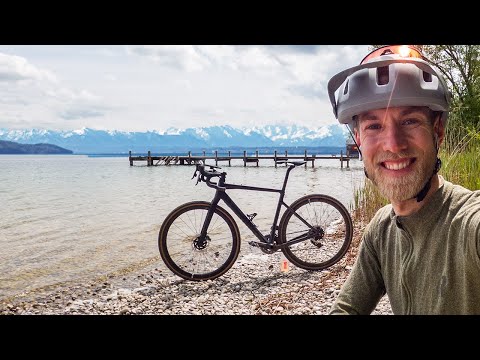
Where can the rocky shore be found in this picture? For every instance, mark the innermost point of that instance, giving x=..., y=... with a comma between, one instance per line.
x=255, y=285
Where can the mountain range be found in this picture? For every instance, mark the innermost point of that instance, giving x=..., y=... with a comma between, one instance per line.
x=91, y=141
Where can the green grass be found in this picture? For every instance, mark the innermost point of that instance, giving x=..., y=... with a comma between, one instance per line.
x=461, y=160
x=366, y=201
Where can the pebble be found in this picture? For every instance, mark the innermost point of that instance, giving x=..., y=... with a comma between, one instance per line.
x=253, y=286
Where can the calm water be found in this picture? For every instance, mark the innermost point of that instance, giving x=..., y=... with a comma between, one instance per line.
x=76, y=218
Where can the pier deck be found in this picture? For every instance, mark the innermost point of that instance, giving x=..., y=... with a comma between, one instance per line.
x=190, y=159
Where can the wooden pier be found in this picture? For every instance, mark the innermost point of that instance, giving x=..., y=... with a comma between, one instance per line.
x=193, y=159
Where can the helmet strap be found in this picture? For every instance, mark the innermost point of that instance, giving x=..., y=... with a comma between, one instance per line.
x=355, y=141
x=438, y=164
x=421, y=195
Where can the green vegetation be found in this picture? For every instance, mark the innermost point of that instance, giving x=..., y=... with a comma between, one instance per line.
x=367, y=200
x=461, y=159
x=460, y=153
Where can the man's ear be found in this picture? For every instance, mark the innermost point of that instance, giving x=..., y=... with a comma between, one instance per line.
x=439, y=130
x=357, y=135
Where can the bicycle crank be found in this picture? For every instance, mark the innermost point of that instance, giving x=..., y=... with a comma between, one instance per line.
x=266, y=248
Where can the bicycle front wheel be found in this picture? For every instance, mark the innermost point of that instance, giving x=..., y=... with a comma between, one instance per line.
x=190, y=257
x=320, y=230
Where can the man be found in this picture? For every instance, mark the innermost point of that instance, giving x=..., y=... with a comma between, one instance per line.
x=423, y=249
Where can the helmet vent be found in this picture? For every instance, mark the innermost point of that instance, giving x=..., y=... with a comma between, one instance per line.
x=382, y=75
x=345, y=89
x=427, y=77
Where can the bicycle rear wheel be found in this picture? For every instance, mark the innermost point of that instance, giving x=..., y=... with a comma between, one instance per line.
x=186, y=255
x=325, y=241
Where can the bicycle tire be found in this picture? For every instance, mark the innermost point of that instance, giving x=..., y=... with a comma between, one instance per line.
x=334, y=227
x=181, y=252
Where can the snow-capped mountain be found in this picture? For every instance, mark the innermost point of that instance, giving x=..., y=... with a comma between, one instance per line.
x=89, y=141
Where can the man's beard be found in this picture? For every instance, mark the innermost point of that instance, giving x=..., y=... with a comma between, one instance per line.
x=404, y=187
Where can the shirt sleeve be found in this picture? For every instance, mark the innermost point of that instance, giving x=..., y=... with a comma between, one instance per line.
x=471, y=226
x=476, y=231
x=364, y=286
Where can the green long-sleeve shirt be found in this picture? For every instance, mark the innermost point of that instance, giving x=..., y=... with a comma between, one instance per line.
x=427, y=262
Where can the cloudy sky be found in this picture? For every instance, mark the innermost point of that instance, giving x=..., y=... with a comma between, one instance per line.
x=142, y=88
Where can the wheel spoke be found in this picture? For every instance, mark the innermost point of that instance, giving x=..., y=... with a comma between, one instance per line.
x=187, y=254
x=330, y=237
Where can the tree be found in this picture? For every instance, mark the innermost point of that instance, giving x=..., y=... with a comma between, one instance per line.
x=460, y=66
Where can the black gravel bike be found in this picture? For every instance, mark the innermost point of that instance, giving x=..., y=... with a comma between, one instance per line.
x=201, y=241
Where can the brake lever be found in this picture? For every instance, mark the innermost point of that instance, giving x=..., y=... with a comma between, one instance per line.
x=195, y=174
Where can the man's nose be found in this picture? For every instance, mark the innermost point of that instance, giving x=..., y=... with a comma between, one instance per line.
x=394, y=139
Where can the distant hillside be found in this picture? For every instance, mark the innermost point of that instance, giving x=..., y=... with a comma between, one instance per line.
x=10, y=147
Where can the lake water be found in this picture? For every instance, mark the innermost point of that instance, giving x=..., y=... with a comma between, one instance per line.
x=71, y=218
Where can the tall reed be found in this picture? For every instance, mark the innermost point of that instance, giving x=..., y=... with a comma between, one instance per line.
x=366, y=201
x=461, y=158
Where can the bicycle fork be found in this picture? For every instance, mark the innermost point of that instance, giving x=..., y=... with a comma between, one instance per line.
x=201, y=242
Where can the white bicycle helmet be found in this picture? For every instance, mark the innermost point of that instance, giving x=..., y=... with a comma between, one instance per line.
x=392, y=75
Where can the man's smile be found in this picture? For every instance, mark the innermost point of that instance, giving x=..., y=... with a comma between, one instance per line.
x=397, y=164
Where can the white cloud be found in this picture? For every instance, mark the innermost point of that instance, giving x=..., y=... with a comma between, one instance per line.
x=156, y=87
x=34, y=96
x=185, y=57
x=16, y=68
x=110, y=77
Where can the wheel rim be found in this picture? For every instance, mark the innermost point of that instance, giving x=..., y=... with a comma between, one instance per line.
x=191, y=257
x=328, y=240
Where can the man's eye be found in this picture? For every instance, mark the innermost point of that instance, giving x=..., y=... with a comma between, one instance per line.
x=411, y=122
x=373, y=127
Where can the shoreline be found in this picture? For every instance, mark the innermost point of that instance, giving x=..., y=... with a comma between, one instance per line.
x=254, y=285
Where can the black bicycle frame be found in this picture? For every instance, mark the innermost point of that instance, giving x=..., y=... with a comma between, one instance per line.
x=220, y=194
